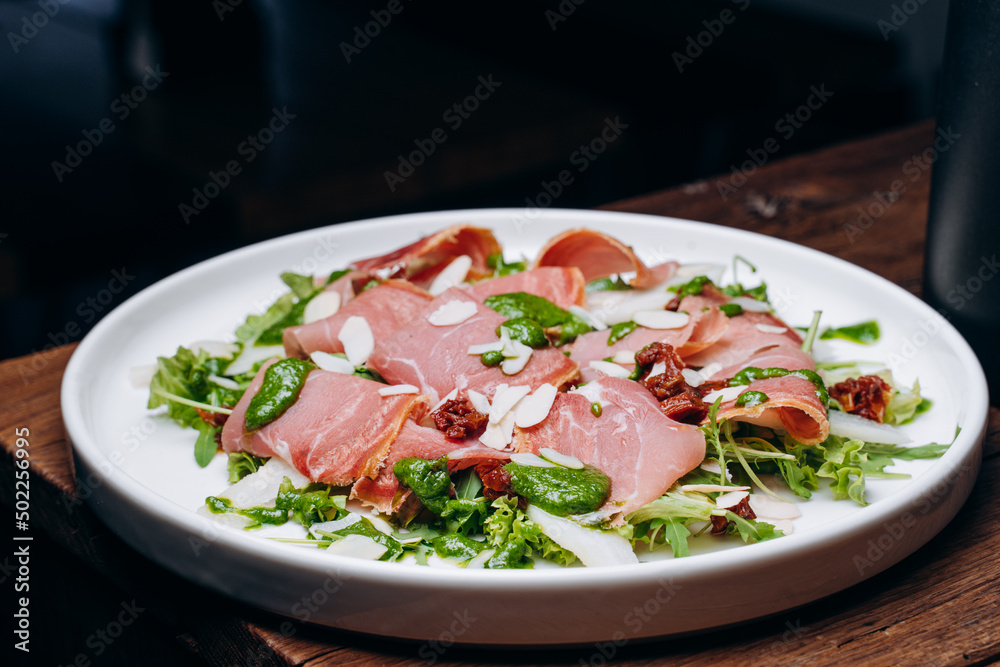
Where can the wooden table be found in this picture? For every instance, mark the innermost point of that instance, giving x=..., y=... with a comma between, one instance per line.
x=939, y=606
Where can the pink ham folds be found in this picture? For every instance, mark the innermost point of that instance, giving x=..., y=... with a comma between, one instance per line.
x=340, y=428
x=792, y=405
x=436, y=360
x=562, y=286
x=423, y=259
x=642, y=451
x=599, y=255
x=747, y=335
x=387, y=308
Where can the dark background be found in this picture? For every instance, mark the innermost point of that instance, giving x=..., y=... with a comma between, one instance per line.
x=63, y=233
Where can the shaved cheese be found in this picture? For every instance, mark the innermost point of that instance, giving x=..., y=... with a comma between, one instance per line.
x=357, y=546
x=751, y=305
x=766, y=506
x=321, y=306
x=712, y=466
x=594, y=548
x=659, y=368
x=613, y=307
x=396, y=389
x=624, y=357
x=692, y=377
x=685, y=272
x=329, y=362
x=731, y=499
x=478, y=561
x=608, y=368
x=358, y=340
x=250, y=355
x=498, y=436
x=452, y=275
x=784, y=525
x=771, y=329
x=451, y=313
x=334, y=526
x=450, y=396
x=710, y=370
x=532, y=460
x=228, y=383
x=533, y=409
x=726, y=393
x=141, y=376
x=479, y=402
x=588, y=317
x=660, y=319
x=486, y=347
x=854, y=427
x=381, y=525
x=514, y=365
x=262, y=486
x=712, y=488
x=565, y=460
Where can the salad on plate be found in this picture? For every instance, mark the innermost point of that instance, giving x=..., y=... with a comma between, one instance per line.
x=443, y=404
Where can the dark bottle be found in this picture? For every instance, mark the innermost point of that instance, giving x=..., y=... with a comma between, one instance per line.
x=962, y=271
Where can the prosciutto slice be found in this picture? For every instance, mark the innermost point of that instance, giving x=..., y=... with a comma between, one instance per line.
x=339, y=429
x=387, y=308
x=388, y=496
x=436, y=358
x=599, y=255
x=632, y=442
x=706, y=325
x=563, y=286
x=423, y=259
x=792, y=405
x=747, y=334
x=775, y=356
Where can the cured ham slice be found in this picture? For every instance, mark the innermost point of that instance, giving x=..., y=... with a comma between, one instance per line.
x=599, y=255
x=563, y=286
x=747, y=334
x=706, y=325
x=423, y=259
x=386, y=307
x=632, y=442
x=435, y=358
x=339, y=429
x=792, y=405
x=775, y=356
x=388, y=496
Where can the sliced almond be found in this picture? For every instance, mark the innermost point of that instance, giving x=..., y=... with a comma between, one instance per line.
x=514, y=365
x=397, y=389
x=588, y=317
x=504, y=401
x=533, y=409
x=770, y=328
x=565, y=460
x=750, y=304
x=731, y=499
x=228, y=383
x=452, y=313
x=450, y=396
x=329, y=362
x=608, y=368
x=624, y=357
x=533, y=460
x=726, y=393
x=358, y=340
x=692, y=377
x=452, y=275
x=321, y=306
x=357, y=546
x=659, y=368
x=479, y=402
x=660, y=319
x=482, y=348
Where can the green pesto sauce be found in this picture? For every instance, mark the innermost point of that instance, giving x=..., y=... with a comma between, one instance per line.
x=863, y=333
x=525, y=330
x=692, y=287
x=751, y=373
x=608, y=285
x=751, y=399
x=454, y=545
x=596, y=410
x=271, y=515
x=282, y=383
x=621, y=330
x=365, y=527
x=513, y=554
x=547, y=314
x=491, y=358
x=560, y=491
x=428, y=479
x=731, y=309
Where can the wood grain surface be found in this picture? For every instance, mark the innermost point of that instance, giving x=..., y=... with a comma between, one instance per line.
x=938, y=606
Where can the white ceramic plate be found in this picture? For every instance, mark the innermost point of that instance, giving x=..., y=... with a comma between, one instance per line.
x=139, y=472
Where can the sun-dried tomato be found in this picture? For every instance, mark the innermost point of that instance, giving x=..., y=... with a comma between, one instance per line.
x=458, y=419
x=496, y=481
x=678, y=400
x=217, y=419
x=866, y=396
x=741, y=509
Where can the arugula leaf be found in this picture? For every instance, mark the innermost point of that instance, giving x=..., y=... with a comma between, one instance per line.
x=242, y=464
x=310, y=504
x=502, y=268
x=692, y=287
x=615, y=284
x=394, y=550
x=750, y=530
x=287, y=311
x=906, y=405
x=205, y=447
